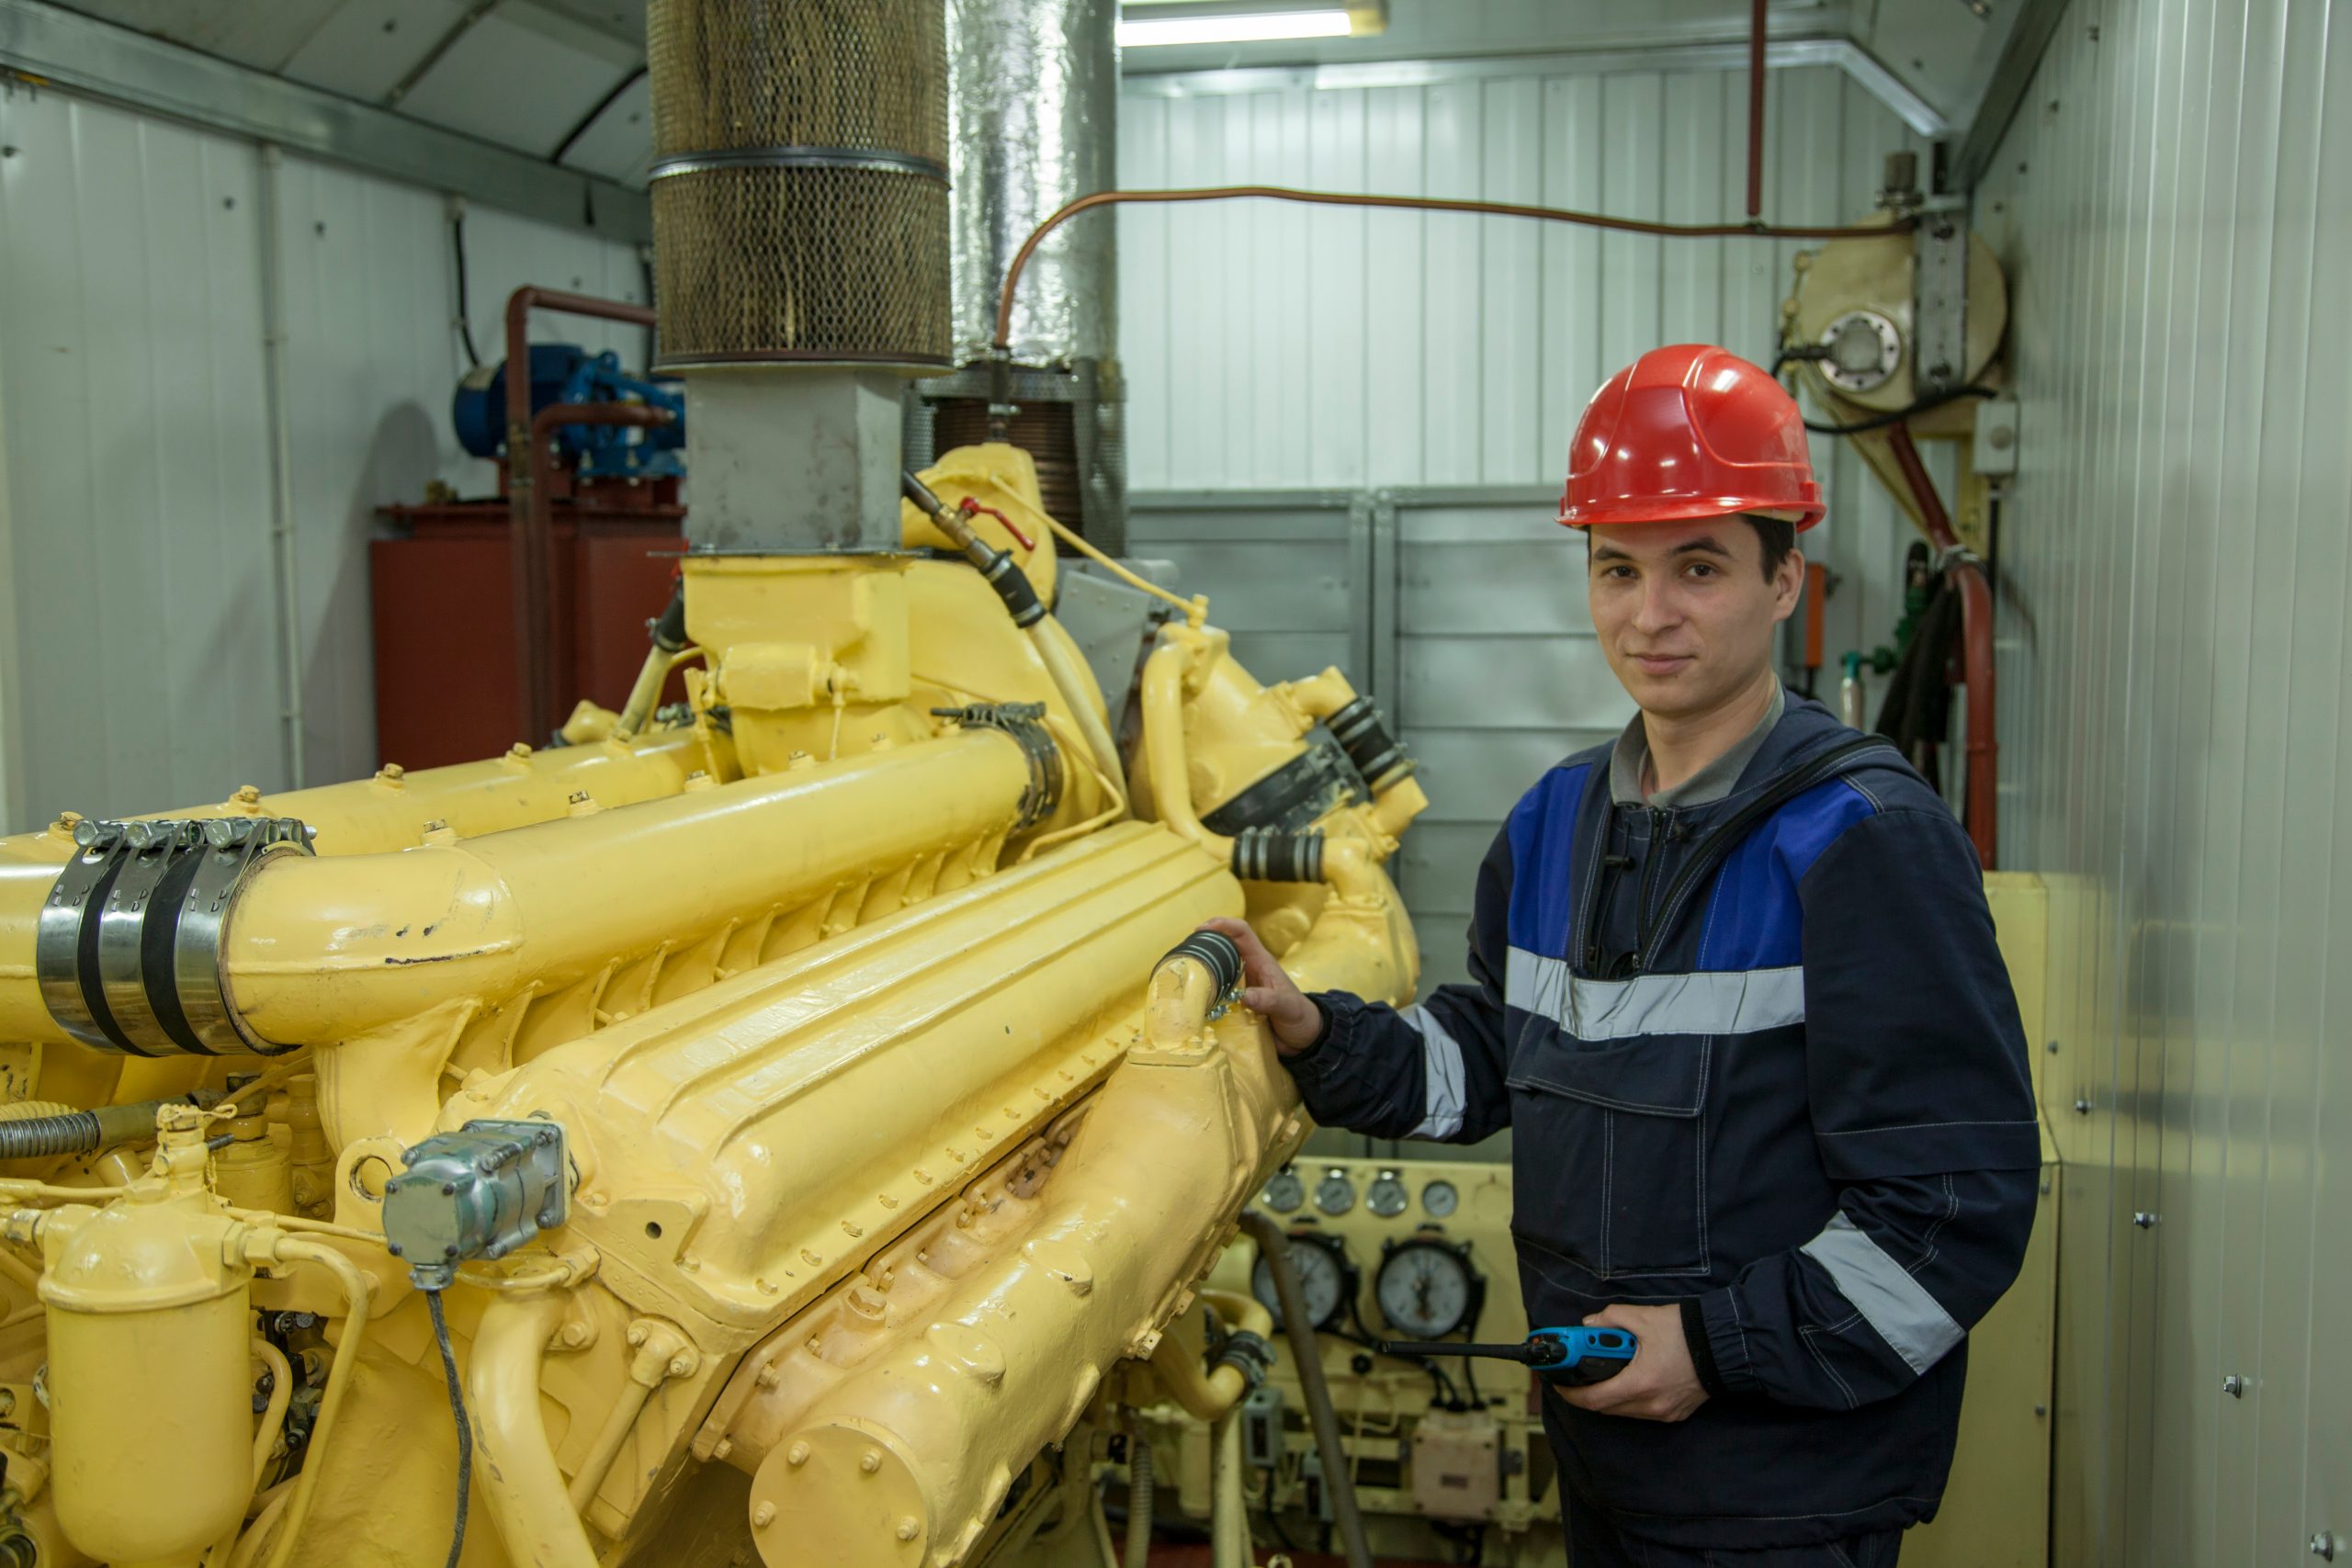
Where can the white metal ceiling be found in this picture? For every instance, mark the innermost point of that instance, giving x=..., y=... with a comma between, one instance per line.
x=563, y=80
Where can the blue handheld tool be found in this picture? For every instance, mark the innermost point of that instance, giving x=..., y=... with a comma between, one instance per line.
x=1575, y=1355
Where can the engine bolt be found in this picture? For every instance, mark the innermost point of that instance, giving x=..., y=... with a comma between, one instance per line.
x=910, y=1527
x=796, y=1455
x=870, y=1461
x=763, y=1516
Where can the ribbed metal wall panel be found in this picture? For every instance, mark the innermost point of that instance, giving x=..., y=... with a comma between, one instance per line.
x=130, y=367
x=1273, y=346
x=2170, y=204
x=139, y=431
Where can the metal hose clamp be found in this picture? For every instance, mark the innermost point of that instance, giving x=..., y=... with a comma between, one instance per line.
x=1362, y=733
x=1025, y=723
x=128, y=945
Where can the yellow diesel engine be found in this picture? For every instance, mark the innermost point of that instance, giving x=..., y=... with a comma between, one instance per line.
x=786, y=1110
x=790, y=1128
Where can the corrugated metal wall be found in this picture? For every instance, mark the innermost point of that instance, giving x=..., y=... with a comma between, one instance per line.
x=2171, y=204
x=137, y=427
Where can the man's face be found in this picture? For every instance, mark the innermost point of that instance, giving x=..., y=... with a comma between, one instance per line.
x=1685, y=611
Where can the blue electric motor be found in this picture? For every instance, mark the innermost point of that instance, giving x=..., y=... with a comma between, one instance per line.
x=566, y=373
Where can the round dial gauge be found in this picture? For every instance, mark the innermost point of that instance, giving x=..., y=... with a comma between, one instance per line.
x=1334, y=1194
x=1439, y=1198
x=1327, y=1279
x=1285, y=1193
x=1386, y=1196
x=1427, y=1290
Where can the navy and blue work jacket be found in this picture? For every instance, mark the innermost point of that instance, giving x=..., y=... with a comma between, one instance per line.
x=1789, y=1093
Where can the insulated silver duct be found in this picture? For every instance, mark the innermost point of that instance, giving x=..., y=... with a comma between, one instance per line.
x=1033, y=124
x=1033, y=93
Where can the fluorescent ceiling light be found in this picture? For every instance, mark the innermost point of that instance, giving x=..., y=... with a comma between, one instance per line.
x=1245, y=28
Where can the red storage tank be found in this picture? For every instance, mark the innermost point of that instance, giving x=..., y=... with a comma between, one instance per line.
x=445, y=686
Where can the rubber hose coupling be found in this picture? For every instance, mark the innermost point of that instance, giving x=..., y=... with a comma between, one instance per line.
x=1247, y=1354
x=670, y=629
x=1362, y=733
x=1217, y=952
x=1269, y=854
x=996, y=567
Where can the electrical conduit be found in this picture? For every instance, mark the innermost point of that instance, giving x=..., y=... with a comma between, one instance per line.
x=1967, y=576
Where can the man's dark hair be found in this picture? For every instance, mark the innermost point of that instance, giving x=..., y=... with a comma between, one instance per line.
x=1779, y=537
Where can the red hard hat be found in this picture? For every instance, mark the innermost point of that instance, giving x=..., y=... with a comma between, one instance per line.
x=1688, y=432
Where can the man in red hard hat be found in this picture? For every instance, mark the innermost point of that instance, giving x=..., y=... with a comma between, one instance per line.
x=1736, y=991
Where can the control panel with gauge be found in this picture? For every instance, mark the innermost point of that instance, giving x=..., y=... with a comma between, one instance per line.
x=1398, y=1220
x=1411, y=1255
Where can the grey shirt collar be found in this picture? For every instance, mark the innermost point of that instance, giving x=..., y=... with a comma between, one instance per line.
x=1710, y=784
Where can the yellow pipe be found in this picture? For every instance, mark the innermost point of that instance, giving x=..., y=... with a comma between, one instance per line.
x=1196, y=608
x=368, y=816
x=1164, y=750
x=281, y=1393
x=321, y=950
x=663, y=1353
x=1058, y=654
x=1228, y=1503
x=1204, y=1395
x=359, y=1296
x=273, y=1422
x=518, y=1469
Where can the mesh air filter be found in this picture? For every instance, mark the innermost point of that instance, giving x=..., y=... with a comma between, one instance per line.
x=799, y=181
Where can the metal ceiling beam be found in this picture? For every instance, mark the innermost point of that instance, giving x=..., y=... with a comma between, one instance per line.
x=2020, y=57
x=1780, y=54
x=49, y=45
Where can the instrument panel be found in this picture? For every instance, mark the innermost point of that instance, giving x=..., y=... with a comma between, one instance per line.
x=1396, y=1249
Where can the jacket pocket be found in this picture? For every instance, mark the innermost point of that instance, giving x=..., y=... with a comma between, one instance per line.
x=1608, y=1147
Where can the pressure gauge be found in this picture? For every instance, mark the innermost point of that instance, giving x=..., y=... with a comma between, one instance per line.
x=1386, y=1196
x=1334, y=1194
x=1327, y=1277
x=1285, y=1193
x=1427, y=1289
x=1439, y=1198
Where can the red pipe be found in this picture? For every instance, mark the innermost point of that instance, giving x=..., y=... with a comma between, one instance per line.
x=1756, y=112
x=1967, y=574
x=527, y=531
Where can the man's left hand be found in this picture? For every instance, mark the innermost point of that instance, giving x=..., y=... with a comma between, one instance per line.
x=1659, y=1384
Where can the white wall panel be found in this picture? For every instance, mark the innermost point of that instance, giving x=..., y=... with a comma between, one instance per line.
x=132, y=319
x=131, y=355
x=2170, y=206
x=1271, y=347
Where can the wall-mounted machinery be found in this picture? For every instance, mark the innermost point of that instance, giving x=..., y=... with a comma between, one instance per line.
x=1897, y=338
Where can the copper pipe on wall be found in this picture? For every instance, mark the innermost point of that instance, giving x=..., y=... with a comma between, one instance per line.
x=1966, y=574
x=1756, y=110
x=1752, y=229
x=532, y=569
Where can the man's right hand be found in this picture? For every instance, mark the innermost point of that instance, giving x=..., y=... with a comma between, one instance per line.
x=1289, y=1012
